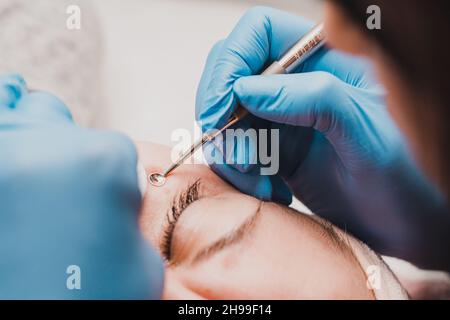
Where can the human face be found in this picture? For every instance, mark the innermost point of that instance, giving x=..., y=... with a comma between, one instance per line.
x=227, y=245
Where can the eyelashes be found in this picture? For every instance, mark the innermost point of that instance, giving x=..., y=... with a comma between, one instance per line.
x=186, y=198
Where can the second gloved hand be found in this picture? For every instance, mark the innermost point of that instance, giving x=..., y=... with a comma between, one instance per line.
x=69, y=199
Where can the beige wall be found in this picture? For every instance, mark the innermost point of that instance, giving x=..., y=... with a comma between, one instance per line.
x=154, y=55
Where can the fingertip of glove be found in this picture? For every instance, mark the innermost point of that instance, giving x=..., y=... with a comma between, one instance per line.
x=280, y=191
x=12, y=88
x=240, y=85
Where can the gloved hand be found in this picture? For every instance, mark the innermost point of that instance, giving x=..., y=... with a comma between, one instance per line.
x=68, y=196
x=340, y=152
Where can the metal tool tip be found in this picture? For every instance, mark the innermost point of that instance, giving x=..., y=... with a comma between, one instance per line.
x=156, y=179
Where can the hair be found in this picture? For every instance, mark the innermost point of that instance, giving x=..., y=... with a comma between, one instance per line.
x=413, y=37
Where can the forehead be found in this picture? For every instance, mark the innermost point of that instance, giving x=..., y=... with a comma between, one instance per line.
x=157, y=158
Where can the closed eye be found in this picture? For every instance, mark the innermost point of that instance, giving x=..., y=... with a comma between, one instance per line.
x=180, y=203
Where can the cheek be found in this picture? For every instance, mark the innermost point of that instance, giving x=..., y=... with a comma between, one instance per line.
x=266, y=265
x=341, y=34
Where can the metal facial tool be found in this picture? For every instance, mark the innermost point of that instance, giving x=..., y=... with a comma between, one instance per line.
x=302, y=50
x=156, y=179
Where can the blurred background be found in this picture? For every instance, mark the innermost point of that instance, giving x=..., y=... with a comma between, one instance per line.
x=154, y=56
x=133, y=66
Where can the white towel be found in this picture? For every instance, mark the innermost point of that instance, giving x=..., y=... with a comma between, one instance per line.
x=380, y=279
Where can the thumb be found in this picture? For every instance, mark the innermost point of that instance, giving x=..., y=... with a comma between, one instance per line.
x=12, y=88
x=305, y=99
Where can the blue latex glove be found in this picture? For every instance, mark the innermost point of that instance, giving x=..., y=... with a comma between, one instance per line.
x=68, y=196
x=340, y=151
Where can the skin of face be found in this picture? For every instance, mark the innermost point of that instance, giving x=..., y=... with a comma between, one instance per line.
x=342, y=34
x=279, y=254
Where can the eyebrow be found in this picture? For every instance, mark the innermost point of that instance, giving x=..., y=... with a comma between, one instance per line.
x=230, y=238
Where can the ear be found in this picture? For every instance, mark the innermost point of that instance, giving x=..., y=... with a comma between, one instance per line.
x=343, y=34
